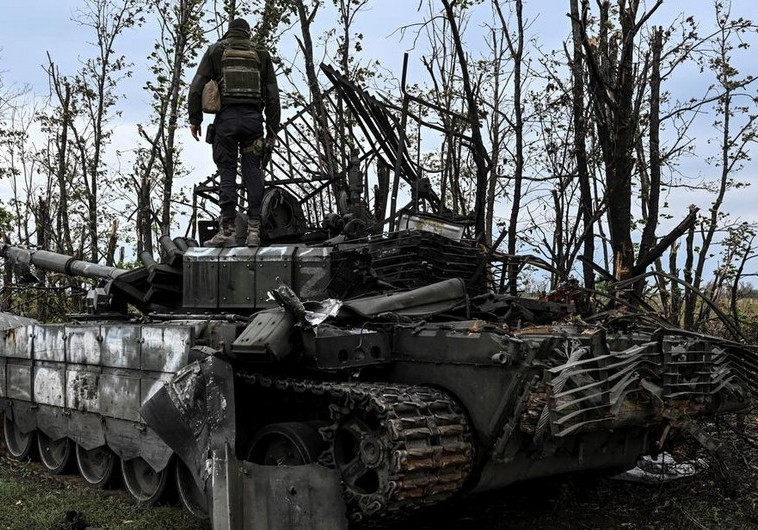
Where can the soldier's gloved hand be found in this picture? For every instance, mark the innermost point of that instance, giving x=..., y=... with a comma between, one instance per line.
x=271, y=141
x=196, y=130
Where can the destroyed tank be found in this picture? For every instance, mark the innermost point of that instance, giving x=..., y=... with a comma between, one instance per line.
x=383, y=360
x=340, y=373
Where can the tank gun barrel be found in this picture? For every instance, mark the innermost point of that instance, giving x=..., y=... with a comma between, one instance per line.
x=52, y=261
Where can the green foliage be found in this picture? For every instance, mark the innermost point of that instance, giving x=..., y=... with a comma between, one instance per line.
x=270, y=16
x=6, y=219
x=78, y=123
x=157, y=163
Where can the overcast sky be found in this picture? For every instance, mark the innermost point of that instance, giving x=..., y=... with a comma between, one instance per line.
x=31, y=29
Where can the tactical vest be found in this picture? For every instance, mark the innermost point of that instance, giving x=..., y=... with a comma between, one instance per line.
x=240, y=73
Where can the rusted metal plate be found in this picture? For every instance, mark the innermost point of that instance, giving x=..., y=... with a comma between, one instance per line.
x=82, y=392
x=165, y=348
x=50, y=385
x=121, y=346
x=19, y=381
x=83, y=344
x=18, y=342
x=50, y=343
x=119, y=396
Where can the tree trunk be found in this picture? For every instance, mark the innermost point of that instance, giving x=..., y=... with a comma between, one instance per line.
x=322, y=125
x=481, y=159
x=580, y=148
x=63, y=187
x=651, y=202
x=612, y=84
x=516, y=50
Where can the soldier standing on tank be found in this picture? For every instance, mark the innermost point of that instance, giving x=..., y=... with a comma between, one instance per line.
x=247, y=85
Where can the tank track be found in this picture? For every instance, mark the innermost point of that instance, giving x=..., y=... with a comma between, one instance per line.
x=421, y=449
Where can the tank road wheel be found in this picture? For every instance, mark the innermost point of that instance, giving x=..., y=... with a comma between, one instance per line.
x=143, y=482
x=359, y=455
x=55, y=454
x=285, y=444
x=191, y=496
x=20, y=444
x=96, y=466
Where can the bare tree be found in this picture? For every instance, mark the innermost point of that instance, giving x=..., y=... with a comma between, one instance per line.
x=57, y=155
x=306, y=15
x=158, y=165
x=610, y=59
x=738, y=125
x=89, y=101
x=348, y=43
x=442, y=67
x=480, y=154
x=19, y=167
x=580, y=145
x=516, y=49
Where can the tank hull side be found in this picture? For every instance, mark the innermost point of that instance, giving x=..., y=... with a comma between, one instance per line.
x=599, y=450
x=86, y=382
x=555, y=400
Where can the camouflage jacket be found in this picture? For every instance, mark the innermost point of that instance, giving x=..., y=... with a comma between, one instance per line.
x=210, y=68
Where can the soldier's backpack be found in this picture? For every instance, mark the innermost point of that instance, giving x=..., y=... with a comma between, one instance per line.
x=240, y=73
x=211, y=98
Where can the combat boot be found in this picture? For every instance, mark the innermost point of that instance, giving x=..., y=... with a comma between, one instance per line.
x=253, y=233
x=226, y=236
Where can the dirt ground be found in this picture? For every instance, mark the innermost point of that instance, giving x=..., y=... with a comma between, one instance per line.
x=31, y=499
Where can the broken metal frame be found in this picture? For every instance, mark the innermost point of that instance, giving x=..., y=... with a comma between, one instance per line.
x=600, y=388
x=379, y=136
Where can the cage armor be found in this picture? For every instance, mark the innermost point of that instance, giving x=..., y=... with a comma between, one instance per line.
x=240, y=82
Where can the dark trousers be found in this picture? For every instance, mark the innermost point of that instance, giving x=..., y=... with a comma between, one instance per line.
x=237, y=127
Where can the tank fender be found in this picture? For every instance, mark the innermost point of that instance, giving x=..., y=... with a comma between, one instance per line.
x=52, y=421
x=130, y=440
x=86, y=429
x=246, y=495
x=21, y=412
x=193, y=413
x=5, y=407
